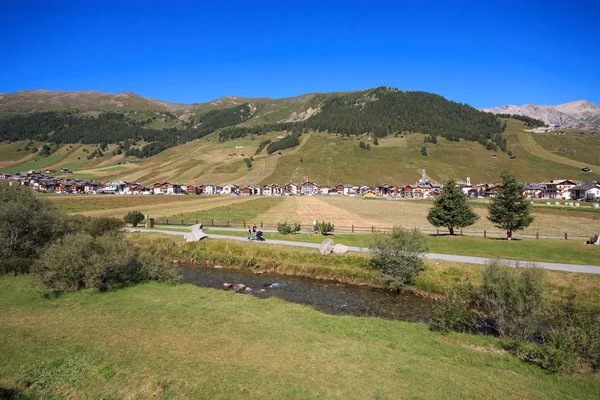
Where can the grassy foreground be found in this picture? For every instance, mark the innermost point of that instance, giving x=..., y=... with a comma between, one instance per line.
x=352, y=268
x=160, y=341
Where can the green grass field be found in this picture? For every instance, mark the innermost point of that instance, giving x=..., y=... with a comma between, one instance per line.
x=165, y=342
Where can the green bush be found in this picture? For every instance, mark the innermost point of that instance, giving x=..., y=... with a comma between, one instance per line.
x=81, y=261
x=398, y=255
x=27, y=222
x=134, y=217
x=513, y=298
x=324, y=227
x=571, y=344
x=286, y=229
x=455, y=312
x=104, y=226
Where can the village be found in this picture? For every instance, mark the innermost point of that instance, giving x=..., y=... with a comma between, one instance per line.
x=557, y=189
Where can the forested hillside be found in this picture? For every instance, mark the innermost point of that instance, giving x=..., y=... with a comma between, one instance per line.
x=378, y=112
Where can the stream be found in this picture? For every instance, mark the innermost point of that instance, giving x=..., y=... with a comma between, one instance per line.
x=326, y=296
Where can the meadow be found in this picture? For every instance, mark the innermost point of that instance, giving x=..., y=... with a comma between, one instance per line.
x=162, y=341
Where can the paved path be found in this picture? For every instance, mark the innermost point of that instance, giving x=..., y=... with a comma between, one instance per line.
x=586, y=269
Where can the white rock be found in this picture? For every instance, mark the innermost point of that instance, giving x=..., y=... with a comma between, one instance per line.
x=340, y=249
x=326, y=247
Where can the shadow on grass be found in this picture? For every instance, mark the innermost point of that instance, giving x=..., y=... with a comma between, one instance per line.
x=12, y=394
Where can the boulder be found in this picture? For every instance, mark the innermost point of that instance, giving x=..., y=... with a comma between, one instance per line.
x=227, y=285
x=326, y=247
x=196, y=234
x=340, y=249
x=261, y=291
x=248, y=290
x=239, y=287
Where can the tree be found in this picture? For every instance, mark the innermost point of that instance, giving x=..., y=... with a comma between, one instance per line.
x=424, y=151
x=451, y=209
x=134, y=217
x=510, y=210
x=398, y=255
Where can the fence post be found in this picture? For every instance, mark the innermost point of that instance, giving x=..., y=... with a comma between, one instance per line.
x=196, y=222
x=537, y=235
x=437, y=232
x=372, y=229
x=181, y=222
x=167, y=221
x=484, y=233
x=352, y=228
x=212, y=222
x=261, y=225
x=228, y=223
x=566, y=236
x=460, y=231
x=244, y=224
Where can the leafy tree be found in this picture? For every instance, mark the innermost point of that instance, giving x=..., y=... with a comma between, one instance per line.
x=424, y=151
x=324, y=227
x=510, y=210
x=134, y=217
x=451, y=209
x=398, y=255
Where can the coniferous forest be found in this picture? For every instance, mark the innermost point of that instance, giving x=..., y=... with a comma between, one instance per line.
x=379, y=112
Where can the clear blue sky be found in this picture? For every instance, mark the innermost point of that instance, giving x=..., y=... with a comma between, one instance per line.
x=482, y=53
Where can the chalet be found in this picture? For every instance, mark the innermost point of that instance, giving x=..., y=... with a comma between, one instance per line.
x=406, y=191
x=255, y=190
x=364, y=189
x=324, y=190
x=309, y=188
x=230, y=189
x=212, y=189
x=563, y=188
x=344, y=189
x=533, y=190
x=90, y=187
x=190, y=189
x=432, y=193
x=387, y=190
x=167, y=188
x=585, y=191
x=201, y=189
x=276, y=190
x=246, y=191
x=291, y=189
x=45, y=187
x=420, y=190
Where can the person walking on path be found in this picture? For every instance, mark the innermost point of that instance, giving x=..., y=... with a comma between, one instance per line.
x=249, y=234
x=254, y=231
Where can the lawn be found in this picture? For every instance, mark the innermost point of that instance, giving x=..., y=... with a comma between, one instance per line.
x=160, y=341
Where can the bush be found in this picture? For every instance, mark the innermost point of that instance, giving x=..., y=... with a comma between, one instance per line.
x=104, y=226
x=286, y=229
x=80, y=261
x=27, y=222
x=571, y=344
x=398, y=255
x=324, y=227
x=514, y=299
x=455, y=312
x=134, y=217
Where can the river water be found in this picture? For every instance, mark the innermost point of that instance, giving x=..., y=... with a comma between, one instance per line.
x=326, y=296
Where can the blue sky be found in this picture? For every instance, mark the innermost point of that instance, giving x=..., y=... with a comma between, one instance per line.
x=482, y=53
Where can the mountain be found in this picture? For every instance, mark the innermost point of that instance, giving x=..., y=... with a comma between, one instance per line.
x=578, y=114
x=26, y=101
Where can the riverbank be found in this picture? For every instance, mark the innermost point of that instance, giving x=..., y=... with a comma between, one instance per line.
x=179, y=341
x=351, y=268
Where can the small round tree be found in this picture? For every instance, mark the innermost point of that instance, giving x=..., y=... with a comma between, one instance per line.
x=134, y=217
x=510, y=210
x=451, y=209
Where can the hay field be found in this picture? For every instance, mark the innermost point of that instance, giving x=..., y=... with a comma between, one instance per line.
x=347, y=211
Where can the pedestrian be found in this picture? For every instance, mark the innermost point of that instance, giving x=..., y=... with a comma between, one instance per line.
x=249, y=234
x=254, y=230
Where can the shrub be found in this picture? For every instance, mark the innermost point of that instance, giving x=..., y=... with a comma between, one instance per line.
x=571, y=344
x=27, y=222
x=398, y=255
x=454, y=313
x=104, y=226
x=324, y=227
x=286, y=229
x=134, y=217
x=514, y=299
x=80, y=261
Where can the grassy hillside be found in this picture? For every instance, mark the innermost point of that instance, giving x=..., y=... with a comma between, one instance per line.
x=328, y=159
x=161, y=341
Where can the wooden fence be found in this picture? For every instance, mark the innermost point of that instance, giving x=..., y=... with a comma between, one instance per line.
x=375, y=229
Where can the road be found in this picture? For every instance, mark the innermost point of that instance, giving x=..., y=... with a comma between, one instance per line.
x=585, y=269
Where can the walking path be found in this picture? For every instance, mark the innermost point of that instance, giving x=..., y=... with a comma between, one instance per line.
x=586, y=269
